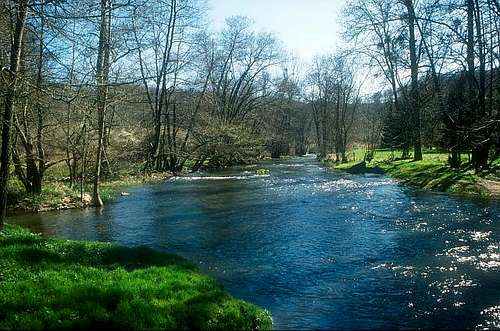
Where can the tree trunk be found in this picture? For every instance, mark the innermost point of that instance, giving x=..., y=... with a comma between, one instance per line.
x=317, y=130
x=84, y=158
x=9, y=100
x=481, y=150
x=102, y=76
x=338, y=134
x=40, y=171
x=414, y=99
x=476, y=91
x=324, y=140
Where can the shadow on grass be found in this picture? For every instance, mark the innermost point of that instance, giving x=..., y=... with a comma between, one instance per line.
x=435, y=176
x=30, y=250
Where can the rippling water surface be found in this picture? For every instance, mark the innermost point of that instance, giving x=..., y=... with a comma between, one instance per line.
x=319, y=249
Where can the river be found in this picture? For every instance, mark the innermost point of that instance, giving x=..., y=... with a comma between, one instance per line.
x=319, y=249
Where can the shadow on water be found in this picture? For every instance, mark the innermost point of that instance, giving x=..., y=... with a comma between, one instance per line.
x=319, y=249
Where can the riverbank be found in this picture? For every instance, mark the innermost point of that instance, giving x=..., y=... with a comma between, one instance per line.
x=48, y=283
x=58, y=195
x=432, y=173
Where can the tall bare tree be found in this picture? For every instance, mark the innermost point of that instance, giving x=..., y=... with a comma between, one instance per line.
x=102, y=81
x=11, y=77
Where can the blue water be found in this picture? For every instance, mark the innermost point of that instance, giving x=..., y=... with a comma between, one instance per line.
x=318, y=249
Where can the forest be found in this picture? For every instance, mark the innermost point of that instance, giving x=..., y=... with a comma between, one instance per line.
x=105, y=86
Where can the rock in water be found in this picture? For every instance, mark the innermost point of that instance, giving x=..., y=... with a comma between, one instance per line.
x=263, y=172
x=86, y=199
x=359, y=168
x=124, y=194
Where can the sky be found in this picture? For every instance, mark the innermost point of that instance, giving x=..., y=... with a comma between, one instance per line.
x=306, y=27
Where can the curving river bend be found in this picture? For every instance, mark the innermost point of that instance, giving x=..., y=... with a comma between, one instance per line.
x=319, y=249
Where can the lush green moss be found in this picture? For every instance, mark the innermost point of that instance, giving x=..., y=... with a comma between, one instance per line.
x=263, y=172
x=48, y=283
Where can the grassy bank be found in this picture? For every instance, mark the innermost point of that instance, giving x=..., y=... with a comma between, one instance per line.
x=57, y=193
x=47, y=283
x=433, y=173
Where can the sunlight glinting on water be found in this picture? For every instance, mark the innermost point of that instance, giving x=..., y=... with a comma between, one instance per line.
x=319, y=249
x=191, y=178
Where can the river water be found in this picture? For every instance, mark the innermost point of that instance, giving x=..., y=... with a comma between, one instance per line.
x=319, y=249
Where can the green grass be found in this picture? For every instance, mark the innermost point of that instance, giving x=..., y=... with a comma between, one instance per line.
x=52, y=284
x=57, y=194
x=356, y=155
x=433, y=172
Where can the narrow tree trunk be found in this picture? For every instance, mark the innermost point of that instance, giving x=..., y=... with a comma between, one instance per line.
x=324, y=124
x=470, y=59
x=482, y=61
x=476, y=104
x=97, y=173
x=317, y=130
x=70, y=161
x=414, y=99
x=102, y=76
x=483, y=147
x=40, y=171
x=84, y=159
x=338, y=139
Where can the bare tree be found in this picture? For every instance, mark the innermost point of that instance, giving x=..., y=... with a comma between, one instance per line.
x=414, y=98
x=102, y=80
x=11, y=77
x=164, y=45
x=376, y=27
x=242, y=57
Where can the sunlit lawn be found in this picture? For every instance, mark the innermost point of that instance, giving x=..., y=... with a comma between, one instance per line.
x=433, y=172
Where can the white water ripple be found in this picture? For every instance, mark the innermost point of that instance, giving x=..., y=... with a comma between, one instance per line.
x=193, y=178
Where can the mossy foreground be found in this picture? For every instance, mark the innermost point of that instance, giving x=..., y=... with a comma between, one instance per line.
x=52, y=284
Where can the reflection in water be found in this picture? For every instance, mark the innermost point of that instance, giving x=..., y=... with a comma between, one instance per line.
x=319, y=249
